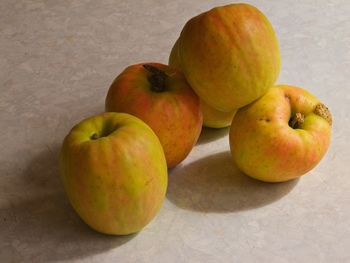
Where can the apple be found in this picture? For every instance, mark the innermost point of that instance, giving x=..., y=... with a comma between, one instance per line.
x=174, y=56
x=280, y=136
x=161, y=97
x=114, y=172
x=213, y=118
x=229, y=55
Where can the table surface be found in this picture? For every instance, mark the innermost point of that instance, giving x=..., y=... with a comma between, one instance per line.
x=57, y=61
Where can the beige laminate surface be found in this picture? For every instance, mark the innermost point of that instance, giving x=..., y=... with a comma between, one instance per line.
x=57, y=59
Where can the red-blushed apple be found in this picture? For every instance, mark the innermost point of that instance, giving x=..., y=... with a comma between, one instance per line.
x=229, y=55
x=161, y=97
x=282, y=135
x=114, y=172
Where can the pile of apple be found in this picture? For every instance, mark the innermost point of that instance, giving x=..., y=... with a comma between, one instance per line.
x=221, y=72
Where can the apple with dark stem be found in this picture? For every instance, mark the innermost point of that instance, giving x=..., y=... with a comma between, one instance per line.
x=282, y=135
x=161, y=97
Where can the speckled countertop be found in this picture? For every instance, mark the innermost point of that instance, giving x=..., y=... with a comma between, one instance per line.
x=57, y=59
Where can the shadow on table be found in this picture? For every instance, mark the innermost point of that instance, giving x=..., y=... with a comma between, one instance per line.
x=210, y=134
x=214, y=184
x=43, y=227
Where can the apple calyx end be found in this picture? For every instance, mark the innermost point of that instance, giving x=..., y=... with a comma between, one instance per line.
x=94, y=136
x=323, y=111
x=297, y=120
x=157, y=78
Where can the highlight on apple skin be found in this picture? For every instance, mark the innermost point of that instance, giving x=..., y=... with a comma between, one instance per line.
x=114, y=172
x=280, y=136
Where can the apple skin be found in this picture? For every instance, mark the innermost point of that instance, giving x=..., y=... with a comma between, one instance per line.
x=116, y=181
x=229, y=55
x=174, y=56
x=212, y=118
x=174, y=114
x=265, y=146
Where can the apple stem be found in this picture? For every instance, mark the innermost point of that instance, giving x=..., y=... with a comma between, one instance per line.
x=157, y=78
x=296, y=121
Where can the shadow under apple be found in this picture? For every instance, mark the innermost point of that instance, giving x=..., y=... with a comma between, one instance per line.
x=214, y=184
x=211, y=134
x=42, y=226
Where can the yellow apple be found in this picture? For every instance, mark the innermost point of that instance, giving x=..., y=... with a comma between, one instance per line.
x=213, y=118
x=114, y=172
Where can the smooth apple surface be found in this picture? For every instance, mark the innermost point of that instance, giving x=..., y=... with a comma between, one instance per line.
x=282, y=135
x=229, y=55
x=161, y=97
x=174, y=56
x=114, y=172
x=213, y=118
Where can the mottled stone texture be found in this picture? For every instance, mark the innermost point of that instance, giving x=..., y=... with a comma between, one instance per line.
x=57, y=59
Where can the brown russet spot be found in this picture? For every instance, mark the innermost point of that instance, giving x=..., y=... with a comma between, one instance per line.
x=322, y=111
x=287, y=97
x=265, y=119
x=149, y=181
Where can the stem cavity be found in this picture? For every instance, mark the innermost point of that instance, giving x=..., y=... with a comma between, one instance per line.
x=297, y=120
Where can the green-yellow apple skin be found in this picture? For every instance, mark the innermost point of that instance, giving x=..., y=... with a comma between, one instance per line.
x=280, y=136
x=114, y=172
x=174, y=60
x=212, y=117
x=172, y=110
x=229, y=55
